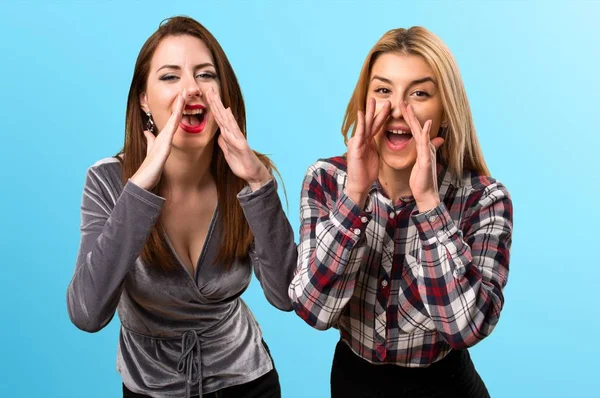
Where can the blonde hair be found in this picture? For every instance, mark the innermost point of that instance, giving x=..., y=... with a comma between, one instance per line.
x=461, y=150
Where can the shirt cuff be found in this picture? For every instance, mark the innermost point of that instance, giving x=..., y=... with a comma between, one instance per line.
x=143, y=195
x=435, y=224
x=247, y=195
x=350, y=219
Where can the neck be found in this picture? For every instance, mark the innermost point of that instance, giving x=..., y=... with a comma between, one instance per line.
x=395, y=183
x=187, y=171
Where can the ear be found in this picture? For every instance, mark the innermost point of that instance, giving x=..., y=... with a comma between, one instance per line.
x=144, y=102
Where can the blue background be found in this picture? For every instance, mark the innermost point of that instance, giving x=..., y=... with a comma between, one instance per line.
x=531, y=73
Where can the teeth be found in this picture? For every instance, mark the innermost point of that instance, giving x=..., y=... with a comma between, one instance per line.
x=399, y=132
x=193, y=112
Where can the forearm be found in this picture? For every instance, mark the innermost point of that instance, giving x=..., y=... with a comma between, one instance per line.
x=274, y=255
x=331, y=249
x=461, y=276
x=109, y=247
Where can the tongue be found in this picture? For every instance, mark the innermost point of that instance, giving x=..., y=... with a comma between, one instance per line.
x=397, y=139
x=190, y=120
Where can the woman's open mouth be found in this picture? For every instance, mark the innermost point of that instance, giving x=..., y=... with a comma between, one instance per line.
x=397, y=139
x=193, y=119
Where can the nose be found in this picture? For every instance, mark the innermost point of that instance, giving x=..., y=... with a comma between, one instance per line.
x=396, y=110
x=193, y=91
x=191, y=86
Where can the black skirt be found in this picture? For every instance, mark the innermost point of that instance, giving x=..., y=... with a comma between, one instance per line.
x=453, y=376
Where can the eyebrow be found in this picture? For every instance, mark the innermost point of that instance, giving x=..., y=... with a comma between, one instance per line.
x=414, y=82
x=177, y=67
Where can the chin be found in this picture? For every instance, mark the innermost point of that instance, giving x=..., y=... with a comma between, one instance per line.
x=399, y=162
x=191, y=143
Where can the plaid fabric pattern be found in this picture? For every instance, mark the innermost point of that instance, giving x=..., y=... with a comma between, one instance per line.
x=402, y=287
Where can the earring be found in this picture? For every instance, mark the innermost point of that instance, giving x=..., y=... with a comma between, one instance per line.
x=150, y=123
x=444, y=124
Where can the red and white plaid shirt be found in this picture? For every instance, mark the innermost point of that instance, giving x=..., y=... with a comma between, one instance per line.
x=402, y=287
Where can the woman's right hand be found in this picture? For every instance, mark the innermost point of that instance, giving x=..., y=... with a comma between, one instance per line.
x=158, y=149
x=362, y=157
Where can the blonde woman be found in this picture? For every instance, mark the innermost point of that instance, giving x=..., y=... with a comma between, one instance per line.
x=405, y=240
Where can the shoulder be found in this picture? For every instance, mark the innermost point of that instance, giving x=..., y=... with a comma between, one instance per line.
x=105, y=174
x=483, y=189
x=107, y=167
x=333, y=167
x=325, y=179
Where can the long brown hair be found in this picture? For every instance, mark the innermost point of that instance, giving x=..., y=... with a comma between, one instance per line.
x=461, y=150
x=236, y=236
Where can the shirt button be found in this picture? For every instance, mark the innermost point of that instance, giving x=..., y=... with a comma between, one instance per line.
x=455, y=273
x=364, y=219
x=440, y=233
x=357, y=231
x=432, y=218
x=384, y=283
x=392, y=215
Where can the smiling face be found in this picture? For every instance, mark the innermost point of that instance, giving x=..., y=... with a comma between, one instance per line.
x=398, y=78
x=182, y=62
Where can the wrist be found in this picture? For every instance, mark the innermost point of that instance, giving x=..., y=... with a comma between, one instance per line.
x=260, y=180
x=359, y=198
x=428, y=203
x=140, y=181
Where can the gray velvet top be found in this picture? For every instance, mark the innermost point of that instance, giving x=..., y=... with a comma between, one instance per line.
x=179, y=335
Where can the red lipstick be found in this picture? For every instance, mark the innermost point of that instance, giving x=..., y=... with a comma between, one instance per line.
x=197, y=128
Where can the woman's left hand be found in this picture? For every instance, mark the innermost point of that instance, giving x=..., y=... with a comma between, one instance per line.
x=241, y=158
x=423, y=178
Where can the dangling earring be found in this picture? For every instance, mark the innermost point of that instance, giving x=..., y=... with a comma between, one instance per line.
x=150, y=123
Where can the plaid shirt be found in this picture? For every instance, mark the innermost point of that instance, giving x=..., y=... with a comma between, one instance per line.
x=402, y=287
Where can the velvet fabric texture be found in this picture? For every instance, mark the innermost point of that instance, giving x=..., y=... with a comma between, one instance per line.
x=181, y=334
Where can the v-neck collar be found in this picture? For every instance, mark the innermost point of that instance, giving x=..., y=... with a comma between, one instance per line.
x=200, y=260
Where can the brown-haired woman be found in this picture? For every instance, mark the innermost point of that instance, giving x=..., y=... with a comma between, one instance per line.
x=173, y=225
x=405, y=240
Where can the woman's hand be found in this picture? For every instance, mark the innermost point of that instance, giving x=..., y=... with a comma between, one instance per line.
x=423, y=178
x=158, y=149
x=362, y=157
x=241, y=158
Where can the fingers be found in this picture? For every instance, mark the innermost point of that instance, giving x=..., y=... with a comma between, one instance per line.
x=410, y=118
x=223, y=145
x=426, y=129
x=216, y=107
x=220, y=114
x=230, y=129
x=173, y=122
x=370, y=111
x=360, y=127
x=380, y=119
x=437, y=142
x=232, y=125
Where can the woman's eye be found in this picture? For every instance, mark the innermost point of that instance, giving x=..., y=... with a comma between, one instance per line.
x=205, y=75
x=420, y=93
x=168, y=77
x=383, y=90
